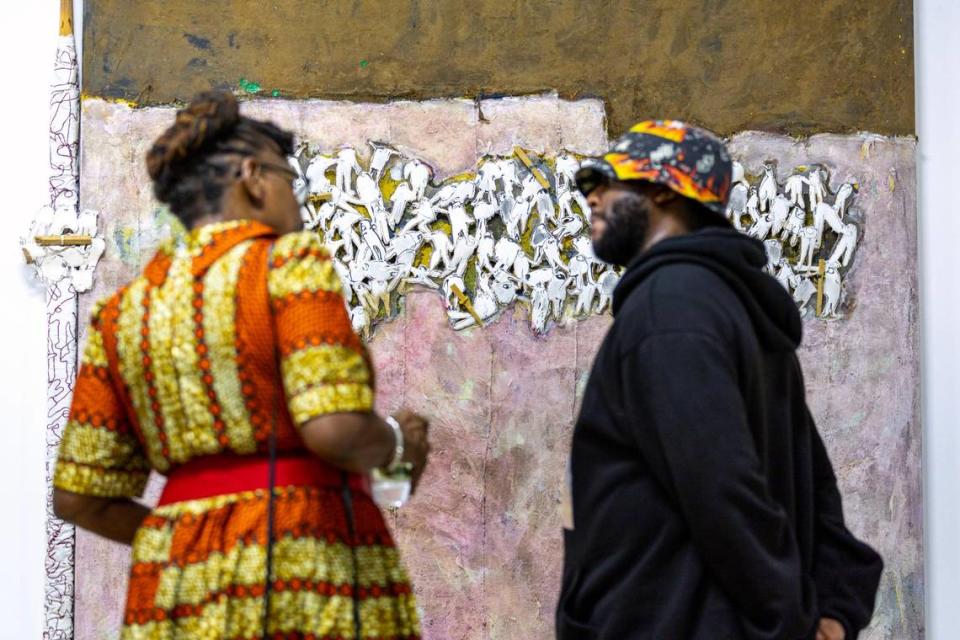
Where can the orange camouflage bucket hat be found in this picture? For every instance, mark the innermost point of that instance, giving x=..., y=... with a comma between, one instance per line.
x=689, y=160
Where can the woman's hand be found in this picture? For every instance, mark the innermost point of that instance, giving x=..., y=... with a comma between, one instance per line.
x=416, y=442
x=113, y=518
x=830, y=629
x=361, y=442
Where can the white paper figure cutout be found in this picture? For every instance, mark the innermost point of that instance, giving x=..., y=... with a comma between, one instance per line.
x=483, y=212
x=780, y=211
x=449, y=283
x=584, y=247
x=815, y=188
x=607, y=284
x=794, y=226
x=831, y=290
x=484, y=305
x=504, y=287
x=774, y=251
x=402, y=196
x=808, y=245
x=418, y=175
x=489, y=174
x=843, y=252
x=794, y=189
x=370, y=246
x=424, y=215
x=521, y=267
x=381, y=155
x=580, y=270
x=485, y=248
x=737, y=174
x=463, y=250
x=360, y=321
x=737, y=205
x=317, y=173
x=403, y=250
x=566, y=170
x=540, y=313
x=786, y=275
x=557, y=292
x=444, y=196
x=844, y=193
x=508, y=175
x=347, y=166
x=768, y=188
x=761, y=229
x=506, y=251
x=585, y=299
x=442, y=250
x=753, y=205
x=803, y=290
x=515, y=214
x=342, y=224
x=460, y=220
x=423, y=277
x=569, y=227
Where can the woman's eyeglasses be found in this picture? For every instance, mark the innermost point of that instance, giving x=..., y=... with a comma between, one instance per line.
x=298, y=182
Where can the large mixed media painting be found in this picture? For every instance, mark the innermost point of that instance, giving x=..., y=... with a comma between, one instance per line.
x=462, y=242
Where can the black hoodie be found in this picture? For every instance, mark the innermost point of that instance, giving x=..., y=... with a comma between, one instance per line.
x=705, y=506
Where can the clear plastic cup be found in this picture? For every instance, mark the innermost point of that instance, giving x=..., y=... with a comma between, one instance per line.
x=391, y=490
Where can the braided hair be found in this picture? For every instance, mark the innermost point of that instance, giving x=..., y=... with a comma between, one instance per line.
x=193, y=162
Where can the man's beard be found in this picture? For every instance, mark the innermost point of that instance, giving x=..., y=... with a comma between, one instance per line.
x=627, y=223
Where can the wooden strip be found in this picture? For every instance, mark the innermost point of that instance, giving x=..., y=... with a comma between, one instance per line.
x=525, y=159
x=465, y=301
x=66, y=17
x=63, y=241
x=821, y=273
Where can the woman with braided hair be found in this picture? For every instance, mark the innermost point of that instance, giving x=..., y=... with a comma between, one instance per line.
x=230, y=366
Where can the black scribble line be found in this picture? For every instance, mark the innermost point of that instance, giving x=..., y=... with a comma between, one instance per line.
x=64, y=187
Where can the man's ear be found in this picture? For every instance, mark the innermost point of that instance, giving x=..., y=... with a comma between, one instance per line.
x=251, y=179
x=663, y=196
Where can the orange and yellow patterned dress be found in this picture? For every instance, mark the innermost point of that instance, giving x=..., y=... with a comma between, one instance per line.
x=224, y=339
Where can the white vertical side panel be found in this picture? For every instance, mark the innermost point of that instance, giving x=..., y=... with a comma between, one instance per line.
x=937, y=57
x=61, y=335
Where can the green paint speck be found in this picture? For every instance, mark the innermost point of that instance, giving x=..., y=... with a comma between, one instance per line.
x=466, y=391
x=249, y=86
x=275, y=93
x=364, y=63
x=127, y=241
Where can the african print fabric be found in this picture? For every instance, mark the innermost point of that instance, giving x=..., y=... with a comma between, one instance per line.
x=222, y=339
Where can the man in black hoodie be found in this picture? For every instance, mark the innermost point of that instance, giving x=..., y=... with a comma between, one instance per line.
x=704, y=503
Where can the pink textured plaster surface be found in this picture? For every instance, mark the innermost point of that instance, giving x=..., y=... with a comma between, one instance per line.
x=863, y=380
x=532, y=123
x=439, y=132
x=482, y=537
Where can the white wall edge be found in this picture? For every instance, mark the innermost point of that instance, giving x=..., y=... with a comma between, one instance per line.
x=937, y=50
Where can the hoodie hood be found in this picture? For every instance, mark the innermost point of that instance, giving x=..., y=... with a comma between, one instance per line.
x=739, y=261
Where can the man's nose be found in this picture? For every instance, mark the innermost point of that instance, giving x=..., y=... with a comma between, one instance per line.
x=593, y=201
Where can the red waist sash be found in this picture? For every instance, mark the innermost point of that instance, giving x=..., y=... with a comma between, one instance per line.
x=216, y=475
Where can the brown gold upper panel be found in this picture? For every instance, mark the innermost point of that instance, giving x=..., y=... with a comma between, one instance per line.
x=790, y=67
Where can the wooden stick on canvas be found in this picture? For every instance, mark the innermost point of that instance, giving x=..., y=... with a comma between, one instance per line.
x=525, y=159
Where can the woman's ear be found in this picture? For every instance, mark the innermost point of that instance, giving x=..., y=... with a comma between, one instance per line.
x=251, y=179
